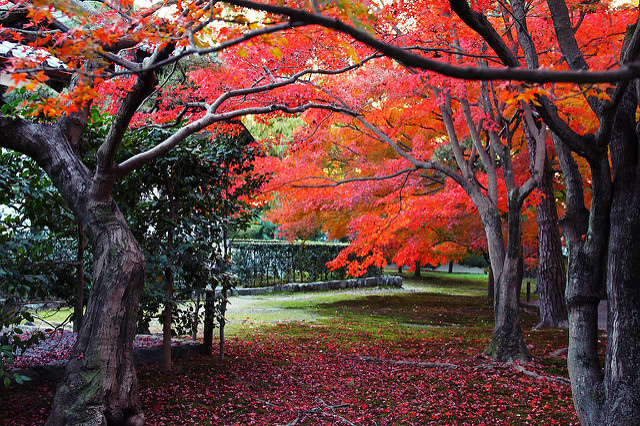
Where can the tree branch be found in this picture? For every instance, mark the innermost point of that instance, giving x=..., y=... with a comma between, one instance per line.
x=358, y=179
x=210, y=118
x=300, y=17
x=145, y=85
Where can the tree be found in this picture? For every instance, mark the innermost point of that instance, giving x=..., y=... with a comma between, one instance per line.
x=103, y=377
x=100, y=385
x=406, y=124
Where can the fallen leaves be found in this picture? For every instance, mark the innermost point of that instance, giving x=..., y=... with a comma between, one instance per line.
x=338, y=372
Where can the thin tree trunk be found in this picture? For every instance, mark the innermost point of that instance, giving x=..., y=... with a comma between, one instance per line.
x=196, y=313
x=78, y=308
x=490, y=284
x=222, y=322
x=209, y=318
x=167, y=316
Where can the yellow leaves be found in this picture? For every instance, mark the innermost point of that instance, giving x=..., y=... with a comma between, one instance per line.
x=241, y=19
x=276, y=53
x=242, y=52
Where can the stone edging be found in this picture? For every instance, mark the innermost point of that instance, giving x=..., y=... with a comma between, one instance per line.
x=54, y=372
x=380, y=281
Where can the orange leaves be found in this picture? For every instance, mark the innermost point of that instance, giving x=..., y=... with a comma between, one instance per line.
x=38, y=14
x=19, y=78
x=527, y=95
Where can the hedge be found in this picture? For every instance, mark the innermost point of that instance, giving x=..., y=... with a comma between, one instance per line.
x=272, y=262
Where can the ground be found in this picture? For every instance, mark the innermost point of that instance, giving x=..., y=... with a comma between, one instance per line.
x=366, y=357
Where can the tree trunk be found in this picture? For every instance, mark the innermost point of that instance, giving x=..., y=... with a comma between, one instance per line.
x=167, y=316
x=209, y=318
x=222, y=322
x=100, y=385
x=507, y=344
x=450, y=267
x=622, y=363
x=196, y=320
x=551, y=271
x=587, y=250
x=490, y=284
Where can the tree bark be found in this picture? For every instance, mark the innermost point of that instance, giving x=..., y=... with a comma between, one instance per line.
x=490, y=284
x=209, y=318
x=622, y=363
x=585, y=234
x=551, y=271
x=507, y=343
x=222, y=322
x=167, y=317
x=196, y=320
x=99, y=386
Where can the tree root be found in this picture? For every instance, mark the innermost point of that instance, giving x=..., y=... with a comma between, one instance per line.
x=516, y=367
x=400, y=362
x=537, y=376
x=559, y=352
x=322, y=410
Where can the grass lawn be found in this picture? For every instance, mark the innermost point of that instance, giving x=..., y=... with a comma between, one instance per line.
x=369, y=357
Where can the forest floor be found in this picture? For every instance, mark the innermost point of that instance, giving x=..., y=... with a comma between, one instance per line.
x=408, y=356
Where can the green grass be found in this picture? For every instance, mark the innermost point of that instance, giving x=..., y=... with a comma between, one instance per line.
x=52, y=317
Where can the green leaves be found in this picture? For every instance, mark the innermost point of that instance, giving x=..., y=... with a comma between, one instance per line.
x=13, y=341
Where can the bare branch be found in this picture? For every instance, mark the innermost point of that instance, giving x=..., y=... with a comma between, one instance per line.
x=358, y=179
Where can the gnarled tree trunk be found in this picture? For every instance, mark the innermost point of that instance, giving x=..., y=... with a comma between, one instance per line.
x=99, y=386
x=622, y=363
x=587, y=251
x=608, y=248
